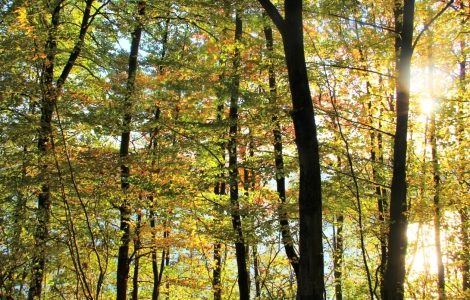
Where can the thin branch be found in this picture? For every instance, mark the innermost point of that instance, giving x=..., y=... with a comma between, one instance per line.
x=426, y=27
x=356, y=122
x=352, y=68
x=358, y=178
x=364, y=23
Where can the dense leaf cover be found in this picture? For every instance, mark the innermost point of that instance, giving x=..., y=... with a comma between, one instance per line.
x=157, y=149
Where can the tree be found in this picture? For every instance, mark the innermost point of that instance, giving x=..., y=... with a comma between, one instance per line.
x=125, y=209
x=311, y=282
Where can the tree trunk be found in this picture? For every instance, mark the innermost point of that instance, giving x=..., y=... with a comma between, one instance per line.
x=256, y=267
x=338, y=257
x=43, y=215
x=311, y=265
x=217, y=272
x=45, y=141
x=156, y=275
x=463, y=211
x=436, y=176
x=380, y=194
x=287, y=239
x=125, y=208
x=243, y=285
x=397, y=238
x=137, y=245
x=465, y=268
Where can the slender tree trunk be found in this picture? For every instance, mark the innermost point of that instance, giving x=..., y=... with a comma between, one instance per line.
x=219, y=189
x=380, y=194
x=311, y=269
x=256, y=267
x=397, y=238
x=437, y=211
x=436, y=176
x=465, y=268
x=125, y=208
x=287, y=239
x=43, y=214
x=45, y=141
x=137, y=246
x=463, y=212
x=156, y=275
x=338, y=257
x=243, y=284
x=217, y=272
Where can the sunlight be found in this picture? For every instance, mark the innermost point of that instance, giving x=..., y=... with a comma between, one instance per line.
x=421, y=256
x=426, y=105
x=421, y=252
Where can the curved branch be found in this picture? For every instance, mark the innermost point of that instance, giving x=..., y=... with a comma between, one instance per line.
x=274, y=14
x=426, y=27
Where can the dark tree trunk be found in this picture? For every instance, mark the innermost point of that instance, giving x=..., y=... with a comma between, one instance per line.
x=380, y=193
x=338, y=257
x=137, y=245
x=125, y=208
x=45, y=141
x=155, y=269
x=287, y=239
x=397, y=239
x=311, y=265
x=256, y=267
x=437, y=211
x=465, y=268
x=240, y=251
x=41, y=233
x=217, y=272
x=219, y=189
x=437, y=183
x=463, y=212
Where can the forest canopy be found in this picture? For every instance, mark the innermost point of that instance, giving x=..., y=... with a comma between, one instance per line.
x=234, y=149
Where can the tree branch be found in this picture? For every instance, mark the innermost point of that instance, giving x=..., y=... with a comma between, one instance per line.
x=274, y=14
x=426, y=27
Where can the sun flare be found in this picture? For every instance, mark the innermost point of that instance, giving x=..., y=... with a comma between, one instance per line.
x=426, y=106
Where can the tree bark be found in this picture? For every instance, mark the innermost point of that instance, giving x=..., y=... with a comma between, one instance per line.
x=217, y=272
x=137, y=246
x=311, y=265
x=380, y=194
x=463, y=211
x=437, y=183
x=338, y=257
x=43, y=214
x=45, y=141
x=125, y=208
x=397, y=238
x=287, y=239
x=240, y=251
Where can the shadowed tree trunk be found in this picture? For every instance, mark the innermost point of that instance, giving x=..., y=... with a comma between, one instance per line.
x=311, y=265
x=137, y=246
x=436, y=177
x=240, y=251
x=279, y=162
x=41, y=233
x=338, y=257
x=376, y=156
x=45, y=140
x=463, y=211
x=125, y=208
x=397, y=239
x=217, y=272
